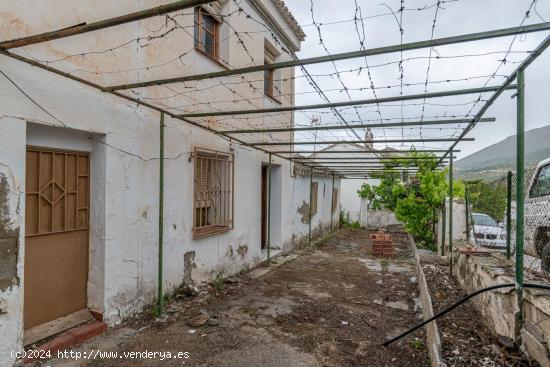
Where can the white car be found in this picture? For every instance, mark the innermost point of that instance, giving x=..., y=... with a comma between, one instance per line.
x=537, y=215
x=488, y=233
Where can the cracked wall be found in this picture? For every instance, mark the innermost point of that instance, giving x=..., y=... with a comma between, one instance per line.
x=12, y=183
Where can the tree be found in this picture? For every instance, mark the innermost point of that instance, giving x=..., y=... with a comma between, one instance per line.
x=415, y=200
x=488, y=198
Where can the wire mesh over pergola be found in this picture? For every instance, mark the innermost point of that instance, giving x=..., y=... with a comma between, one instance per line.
x=332, y=136
x=276, y=130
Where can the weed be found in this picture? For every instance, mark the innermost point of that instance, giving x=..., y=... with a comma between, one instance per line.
x=417, y=344
x=219, y=282
x=385, y=263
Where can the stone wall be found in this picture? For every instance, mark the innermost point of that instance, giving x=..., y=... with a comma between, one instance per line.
x=499, y=307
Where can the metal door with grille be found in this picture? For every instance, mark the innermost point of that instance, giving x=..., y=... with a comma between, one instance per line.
x=56, y=238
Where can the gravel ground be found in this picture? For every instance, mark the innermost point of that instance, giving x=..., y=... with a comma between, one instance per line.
x=466, y=340
x=332, y=305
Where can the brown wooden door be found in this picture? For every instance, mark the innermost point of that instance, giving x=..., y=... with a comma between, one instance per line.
x=56, y=234
x=264, y=208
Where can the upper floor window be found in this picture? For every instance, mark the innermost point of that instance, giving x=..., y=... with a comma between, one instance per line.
x=268, y=82
x=206, y=33
x=271, y=84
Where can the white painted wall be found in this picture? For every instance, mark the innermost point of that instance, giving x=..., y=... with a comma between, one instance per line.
x=124, y=141
x=351, y=202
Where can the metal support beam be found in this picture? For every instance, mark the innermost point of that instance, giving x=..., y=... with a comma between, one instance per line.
x=506, y=85
x=348, y=55
x=426, y=140
x=397, y=159
x=508, y=214
x=310, y=202
x=160, y=295
x=111, y=22
x=451, y=217
x=396, y=151
x=362, y=102
x=332, y=205
x=269, y=211
x=355, y=126
x=128, y=98
x=520, y=197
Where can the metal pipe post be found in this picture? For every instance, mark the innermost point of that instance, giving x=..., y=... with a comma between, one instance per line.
x=520, y=166
x=508, y=215
x=332, y=205
x=467, y=215
x=161, y=215
x=443, y=228
x=269, y=211
x=451, y=215
x=310, y=202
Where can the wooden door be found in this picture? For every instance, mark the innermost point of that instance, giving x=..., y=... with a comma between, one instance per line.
x=56, y=234
x=264, y=208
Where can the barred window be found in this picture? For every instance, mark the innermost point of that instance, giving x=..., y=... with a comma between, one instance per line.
x=213, y=193
x=314, y=194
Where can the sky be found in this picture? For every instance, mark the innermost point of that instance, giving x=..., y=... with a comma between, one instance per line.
x=380, y=26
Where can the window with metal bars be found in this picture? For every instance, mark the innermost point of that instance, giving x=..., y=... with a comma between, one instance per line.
x=213, y=192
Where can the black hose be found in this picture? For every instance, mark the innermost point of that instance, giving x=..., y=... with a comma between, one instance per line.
x=450, y=308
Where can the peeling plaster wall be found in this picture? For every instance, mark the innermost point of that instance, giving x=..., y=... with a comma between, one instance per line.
x=124, y=142
x=12, y=214
x=320, y=222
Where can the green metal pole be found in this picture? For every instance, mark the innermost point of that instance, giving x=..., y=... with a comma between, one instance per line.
x=161, y=215
x=269, y=211
x=443, y=228
x=505, y=32
x=332, y=205
x=355, y=126
x=451, y=215
x=520, y=166
x=467, y=215
x=433, y=225
x=310, y=202
x=508, y=214
x=398, y=98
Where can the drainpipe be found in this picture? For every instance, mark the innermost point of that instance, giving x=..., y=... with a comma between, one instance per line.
x=310, y=202
x=451, y=213
x=161, y=214
x=520, y=166
x=269, y=211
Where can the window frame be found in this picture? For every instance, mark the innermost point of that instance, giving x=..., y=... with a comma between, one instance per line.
x=199, y=28
x=536, y=180
x=268, y=81
x=200, y=230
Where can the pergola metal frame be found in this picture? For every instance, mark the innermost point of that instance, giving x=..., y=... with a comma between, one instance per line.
x=183, y=4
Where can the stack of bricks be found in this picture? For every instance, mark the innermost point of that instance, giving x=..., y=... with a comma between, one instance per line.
x=382, y=245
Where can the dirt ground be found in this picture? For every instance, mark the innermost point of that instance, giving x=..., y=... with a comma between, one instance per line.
x=330, y=305
x=466, y=341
